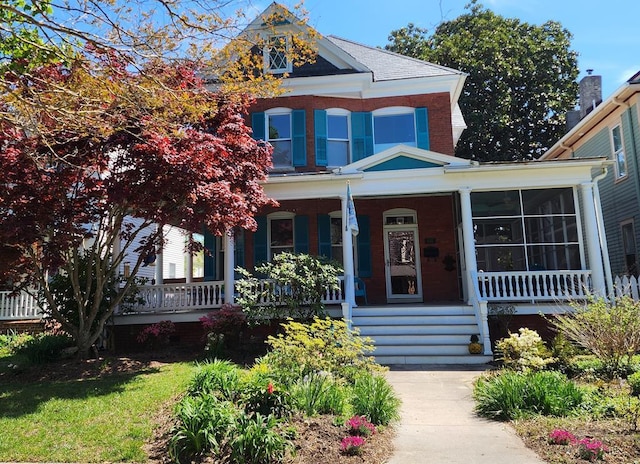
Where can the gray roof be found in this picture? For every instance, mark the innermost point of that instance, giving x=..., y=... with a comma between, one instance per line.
x=386, y=65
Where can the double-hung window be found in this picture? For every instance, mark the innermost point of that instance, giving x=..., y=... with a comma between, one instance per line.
x=337, y=138
x=618, y=152
x=279, y=136
x=394, y=126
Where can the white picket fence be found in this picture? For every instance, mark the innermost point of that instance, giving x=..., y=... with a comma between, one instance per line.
x=627, y=286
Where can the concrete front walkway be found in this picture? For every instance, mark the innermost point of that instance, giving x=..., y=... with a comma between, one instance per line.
x=438, y=423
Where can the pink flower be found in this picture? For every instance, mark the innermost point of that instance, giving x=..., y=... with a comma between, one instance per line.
x=352, y=445
x=591, y=449
x=359, y=425
x=561, y=437
x=270, y=388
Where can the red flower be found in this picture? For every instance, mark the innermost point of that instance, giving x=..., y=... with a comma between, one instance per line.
x=270, y=388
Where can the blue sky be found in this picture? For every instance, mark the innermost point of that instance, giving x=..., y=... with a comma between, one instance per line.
x=606, y=34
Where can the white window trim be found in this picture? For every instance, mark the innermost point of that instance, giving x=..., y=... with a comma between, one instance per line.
x=267, y=55
x=280, y=111
x=393, y=111
x=614, y=153
x=340, y=112
x=280, y=215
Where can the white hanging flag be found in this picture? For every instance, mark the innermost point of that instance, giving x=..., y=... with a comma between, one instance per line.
x=352, y=220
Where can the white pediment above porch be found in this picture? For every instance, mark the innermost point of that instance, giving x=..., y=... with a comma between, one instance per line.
x=402, y=157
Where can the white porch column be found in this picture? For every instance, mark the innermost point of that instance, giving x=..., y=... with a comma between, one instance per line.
x=593, y=243
x=603, y=241
x=159, y=260
x=229, y=267
x=189, y=261
x=468, y=241
x=347, y=261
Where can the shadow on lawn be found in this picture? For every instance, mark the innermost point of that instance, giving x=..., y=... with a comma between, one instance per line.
x=20, y=398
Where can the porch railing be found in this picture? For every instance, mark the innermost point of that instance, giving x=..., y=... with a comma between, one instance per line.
x=206, y=295
x=22, y=306
x=534, y=286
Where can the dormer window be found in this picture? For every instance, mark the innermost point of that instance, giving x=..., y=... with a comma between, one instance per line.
x=276, y=59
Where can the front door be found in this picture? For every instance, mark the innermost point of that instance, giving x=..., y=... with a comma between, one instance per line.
x=402, y=263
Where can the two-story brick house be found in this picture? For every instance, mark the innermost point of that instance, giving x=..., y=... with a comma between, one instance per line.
x=440, y=237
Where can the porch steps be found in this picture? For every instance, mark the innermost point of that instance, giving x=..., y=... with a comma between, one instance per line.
x=417, y=334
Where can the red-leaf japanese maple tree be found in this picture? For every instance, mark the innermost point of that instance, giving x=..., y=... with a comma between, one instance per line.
x=116, y=144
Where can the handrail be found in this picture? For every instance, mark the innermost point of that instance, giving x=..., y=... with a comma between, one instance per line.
x=534, y=286
x=480, y=309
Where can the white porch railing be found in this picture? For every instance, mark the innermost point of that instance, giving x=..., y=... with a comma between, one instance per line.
x=534, y=286
x=206, y=295
x=22, y=306
x=177, y=297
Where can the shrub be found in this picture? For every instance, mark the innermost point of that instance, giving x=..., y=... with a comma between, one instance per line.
x=524, y=351
x=513, y=395
x=204, y=423
x=300, y=282
x=157, y=335
x=43, y=348
x=12, y=341
x=634, y=383
x=319, y=393
x=258, y=441
x=375, y=399
x=263, y=397
x=610, y=331
x=324, y=345
x=218, y=378
x=228, y=320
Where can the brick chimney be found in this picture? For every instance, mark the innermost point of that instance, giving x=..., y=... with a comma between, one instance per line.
x=590, y=89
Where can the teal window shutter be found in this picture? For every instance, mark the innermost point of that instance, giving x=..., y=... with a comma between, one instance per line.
x=320, y=134
x=422, y=128
x=324, y=235
x=298, y=138
x=364, y=247
x=210, y=254
x=238, y=251
x=301, y=234
x=361, y=135
x=258, y=126
x=260, y=241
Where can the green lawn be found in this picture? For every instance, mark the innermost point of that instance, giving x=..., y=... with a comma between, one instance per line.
x=93, y=420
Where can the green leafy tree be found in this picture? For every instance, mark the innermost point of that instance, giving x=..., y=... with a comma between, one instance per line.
x=522, y=79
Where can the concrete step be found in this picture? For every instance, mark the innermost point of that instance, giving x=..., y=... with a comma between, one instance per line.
x=434, y=359
x=411, y=334
x=393, y=319
x=423, y=329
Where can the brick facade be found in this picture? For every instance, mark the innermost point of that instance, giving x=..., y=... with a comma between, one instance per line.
x=435, y=229
x=438, y=105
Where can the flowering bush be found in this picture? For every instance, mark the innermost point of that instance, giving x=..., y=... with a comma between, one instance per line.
x=561, y=437
x=352, y=445
x=158, y=334
x=360, y=426
x=524, y=351
x=591, y=450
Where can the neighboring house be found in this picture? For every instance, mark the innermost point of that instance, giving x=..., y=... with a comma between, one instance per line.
x=611, y=129
x=440, y=238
